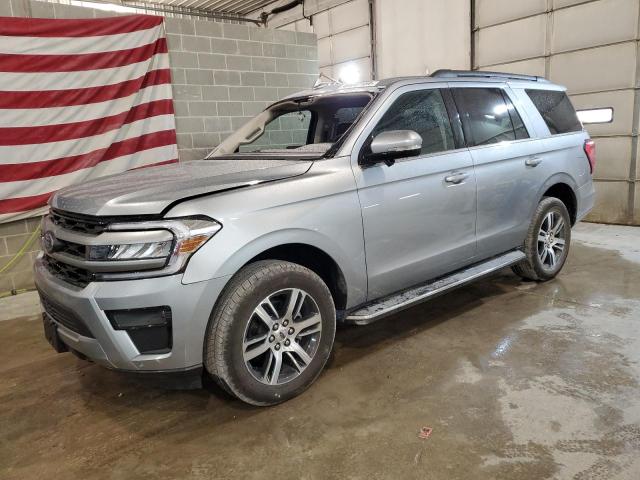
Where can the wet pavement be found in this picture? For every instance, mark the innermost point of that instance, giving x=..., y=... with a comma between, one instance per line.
x=518, y=381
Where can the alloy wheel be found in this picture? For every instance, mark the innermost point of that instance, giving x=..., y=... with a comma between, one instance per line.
x=551, y=240
x=282, y=336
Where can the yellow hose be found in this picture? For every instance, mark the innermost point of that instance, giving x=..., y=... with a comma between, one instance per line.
x=10, y=293
x=21, y=252
x=15, y=259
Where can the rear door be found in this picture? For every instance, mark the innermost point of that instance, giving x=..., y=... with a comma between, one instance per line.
x=419, y=214
x=506, y=160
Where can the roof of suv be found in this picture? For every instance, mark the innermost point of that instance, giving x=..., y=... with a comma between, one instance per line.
x=333, y=88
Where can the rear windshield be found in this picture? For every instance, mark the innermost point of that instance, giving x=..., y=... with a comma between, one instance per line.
x=556, y=110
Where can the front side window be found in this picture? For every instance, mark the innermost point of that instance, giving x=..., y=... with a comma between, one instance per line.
x=488, y=115
x=556, y=110
x=424, y=112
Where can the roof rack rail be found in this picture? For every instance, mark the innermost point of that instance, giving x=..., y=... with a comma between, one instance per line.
x=484, y=74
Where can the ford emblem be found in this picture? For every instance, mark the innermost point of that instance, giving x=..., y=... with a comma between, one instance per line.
x=48, y=242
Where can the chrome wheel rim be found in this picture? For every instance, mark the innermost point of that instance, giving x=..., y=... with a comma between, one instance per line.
x=282, y=336
x=551, y=240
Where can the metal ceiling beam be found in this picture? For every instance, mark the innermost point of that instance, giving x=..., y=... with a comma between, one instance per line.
x=256, y=5
x=181, y=9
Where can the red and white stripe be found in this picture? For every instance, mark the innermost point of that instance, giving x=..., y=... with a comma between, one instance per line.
x=80, y=99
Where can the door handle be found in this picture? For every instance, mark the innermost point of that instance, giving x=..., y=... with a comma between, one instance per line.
x=533, y=161
x=456, y=177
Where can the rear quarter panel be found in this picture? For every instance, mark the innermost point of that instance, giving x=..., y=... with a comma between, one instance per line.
x=563, y=154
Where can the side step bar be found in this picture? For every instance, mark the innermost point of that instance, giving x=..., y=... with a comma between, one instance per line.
x=414, y=295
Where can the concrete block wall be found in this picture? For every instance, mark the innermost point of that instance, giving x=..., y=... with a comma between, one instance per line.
x=222, y=74
x=343, y=30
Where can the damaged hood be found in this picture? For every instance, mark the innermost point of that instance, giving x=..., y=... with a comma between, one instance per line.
x=149, y=191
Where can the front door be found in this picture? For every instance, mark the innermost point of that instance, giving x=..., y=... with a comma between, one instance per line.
x=419, y=214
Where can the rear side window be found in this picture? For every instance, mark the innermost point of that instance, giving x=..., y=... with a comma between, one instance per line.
x=556, y=110
x=424, y=112
x=488, y=116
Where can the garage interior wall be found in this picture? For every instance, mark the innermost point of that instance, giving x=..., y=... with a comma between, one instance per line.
x=592, y=48
x=384, y=38
x=222, y=74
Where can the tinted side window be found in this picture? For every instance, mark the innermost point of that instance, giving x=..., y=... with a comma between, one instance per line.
x=556, y=110
x=424, y=112
x=488, y=115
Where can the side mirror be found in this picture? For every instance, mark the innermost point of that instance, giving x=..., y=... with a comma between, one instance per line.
x=387, y=146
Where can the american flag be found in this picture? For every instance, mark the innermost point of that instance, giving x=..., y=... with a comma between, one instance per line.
x=80, y=99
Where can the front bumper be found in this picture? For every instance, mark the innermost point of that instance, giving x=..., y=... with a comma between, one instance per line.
x=191, y=306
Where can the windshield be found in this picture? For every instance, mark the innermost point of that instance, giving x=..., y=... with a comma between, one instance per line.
x=302, y=125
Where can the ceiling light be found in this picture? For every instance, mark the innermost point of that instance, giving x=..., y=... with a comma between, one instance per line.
x=349, y=73
x=596, y=115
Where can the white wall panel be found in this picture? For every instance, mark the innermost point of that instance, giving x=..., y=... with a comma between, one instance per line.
x=612, y=203
x=350, y=15
x=324, y=51
x=591, y=47
x=622, y=104
x=593, y=24
x=416, y=36
x=351, y=45
x=512, y=41
x=489, y=12
x=595, y=69
x=343, y=32
x=566, y=3
x=524, y=67
x=613, y=158
x=321, y=24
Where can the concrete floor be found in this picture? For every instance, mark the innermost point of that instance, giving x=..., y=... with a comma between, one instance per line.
x=518, y=380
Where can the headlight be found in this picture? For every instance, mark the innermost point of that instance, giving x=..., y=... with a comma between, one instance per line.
x=183, y=237
x=200, y=231
x=130, y=251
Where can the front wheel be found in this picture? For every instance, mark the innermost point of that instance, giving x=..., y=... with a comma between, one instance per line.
x=547, y=242
x=271, y=332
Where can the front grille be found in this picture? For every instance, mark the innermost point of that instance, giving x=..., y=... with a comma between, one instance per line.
x=78, y=223
x=87, y=229
x=74, y=249
x=92, y=225
x=64, y=316
x=68, y=273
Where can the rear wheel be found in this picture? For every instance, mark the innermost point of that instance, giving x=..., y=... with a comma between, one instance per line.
x=271, y=332
x=547, y=242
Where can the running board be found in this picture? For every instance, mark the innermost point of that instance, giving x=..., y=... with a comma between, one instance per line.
x=408, y=298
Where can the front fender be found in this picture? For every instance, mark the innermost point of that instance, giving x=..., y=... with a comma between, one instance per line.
x=223, y=258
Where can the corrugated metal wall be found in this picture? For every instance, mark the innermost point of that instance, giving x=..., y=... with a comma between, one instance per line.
x=592, y=48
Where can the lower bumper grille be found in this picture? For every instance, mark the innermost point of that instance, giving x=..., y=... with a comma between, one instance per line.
x=68, y=273
x=64, y=316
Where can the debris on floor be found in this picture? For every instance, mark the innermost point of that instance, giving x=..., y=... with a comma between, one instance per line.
x=425, y=432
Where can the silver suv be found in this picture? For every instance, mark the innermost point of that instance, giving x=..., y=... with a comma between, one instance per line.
x=341, y=203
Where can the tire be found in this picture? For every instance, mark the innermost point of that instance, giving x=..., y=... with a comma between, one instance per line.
x=258, y=297
x=538, y=266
